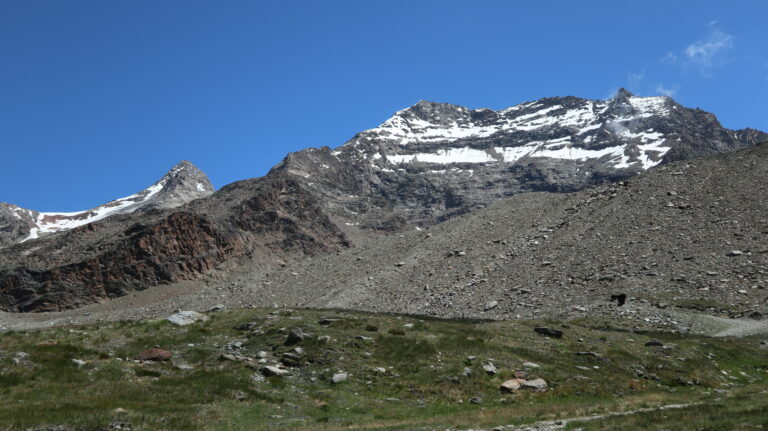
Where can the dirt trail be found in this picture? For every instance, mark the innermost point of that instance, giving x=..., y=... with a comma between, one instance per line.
x=561, y=423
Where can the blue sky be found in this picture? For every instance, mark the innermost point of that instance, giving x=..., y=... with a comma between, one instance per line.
x=99, y=98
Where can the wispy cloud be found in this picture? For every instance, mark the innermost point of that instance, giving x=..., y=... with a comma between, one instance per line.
x=671, y=58
x=709, y=52
x=634, y=80
x=667, y=91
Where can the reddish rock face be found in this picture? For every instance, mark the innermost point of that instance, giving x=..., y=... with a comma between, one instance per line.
x=272, y=222
x=154, y=354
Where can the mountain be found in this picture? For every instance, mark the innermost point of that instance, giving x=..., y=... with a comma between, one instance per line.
x=182, y=184
x=426, y=164
x=435, y=160
x=687, y=236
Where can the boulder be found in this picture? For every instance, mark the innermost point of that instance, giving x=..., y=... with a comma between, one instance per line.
x=538, y=385
x=511, y=385
x=490, y=368
x=183, y=318
x=296, y=336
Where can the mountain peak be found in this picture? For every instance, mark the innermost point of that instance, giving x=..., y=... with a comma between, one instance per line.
x=623, y=94
x=183, y=183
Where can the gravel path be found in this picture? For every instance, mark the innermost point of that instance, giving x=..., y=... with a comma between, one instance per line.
x=561, y=423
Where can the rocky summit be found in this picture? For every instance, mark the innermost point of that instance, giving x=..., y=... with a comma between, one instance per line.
x=182, y=184
x=425, y=165
x=435, y=160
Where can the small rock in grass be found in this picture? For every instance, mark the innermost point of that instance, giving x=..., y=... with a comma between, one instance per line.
x=296, y=336
x=511, y=385
x=154, y=354
x=270, y=371
x=476, y=400
x=549, y=332
x=339, y=377
x=490, y=368
x=538, y=385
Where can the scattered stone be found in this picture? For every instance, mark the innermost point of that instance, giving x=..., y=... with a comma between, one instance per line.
x=364, y=338
x=654, y=343
x=466, y=372
x=512, y=385
x=538, y=385
x=490, y=305
x=270, y=371
x=476, y=400
x=590, y=354
x=47, y=343
x=324, y=338
x=291, y=359
x=183, y=318
x=339, y=377
x=549, y=332
x=215, y=308
x=296, y=336
x=154, y=354
x=247, y=326
x=78, y=362
x=325, y=321
x=764, y=345
x=399, y=264
x=734, y=253
x=531, y=365
x=490, y=368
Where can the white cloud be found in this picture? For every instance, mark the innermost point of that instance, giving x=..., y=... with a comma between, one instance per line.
x=708, y=52
x=664, y=91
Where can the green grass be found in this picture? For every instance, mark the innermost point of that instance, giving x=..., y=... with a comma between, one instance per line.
x=423, y=386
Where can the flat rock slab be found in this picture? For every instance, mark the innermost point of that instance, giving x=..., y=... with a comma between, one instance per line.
x=183, y=318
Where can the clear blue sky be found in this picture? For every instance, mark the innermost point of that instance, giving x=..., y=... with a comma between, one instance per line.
x=99, y=98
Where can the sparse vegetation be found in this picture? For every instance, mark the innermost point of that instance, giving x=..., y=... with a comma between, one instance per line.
x=411, y=373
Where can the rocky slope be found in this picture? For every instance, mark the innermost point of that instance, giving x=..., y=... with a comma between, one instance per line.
x=183, y=183
x=689, y=236
x=426, y=164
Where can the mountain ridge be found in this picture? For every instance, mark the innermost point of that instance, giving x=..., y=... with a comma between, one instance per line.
x=424, y=165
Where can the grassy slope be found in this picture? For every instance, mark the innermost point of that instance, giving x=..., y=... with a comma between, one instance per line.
x=423, y=386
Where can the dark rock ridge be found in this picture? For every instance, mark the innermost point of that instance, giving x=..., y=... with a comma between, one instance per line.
x=426, y=164
x=183, y=183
